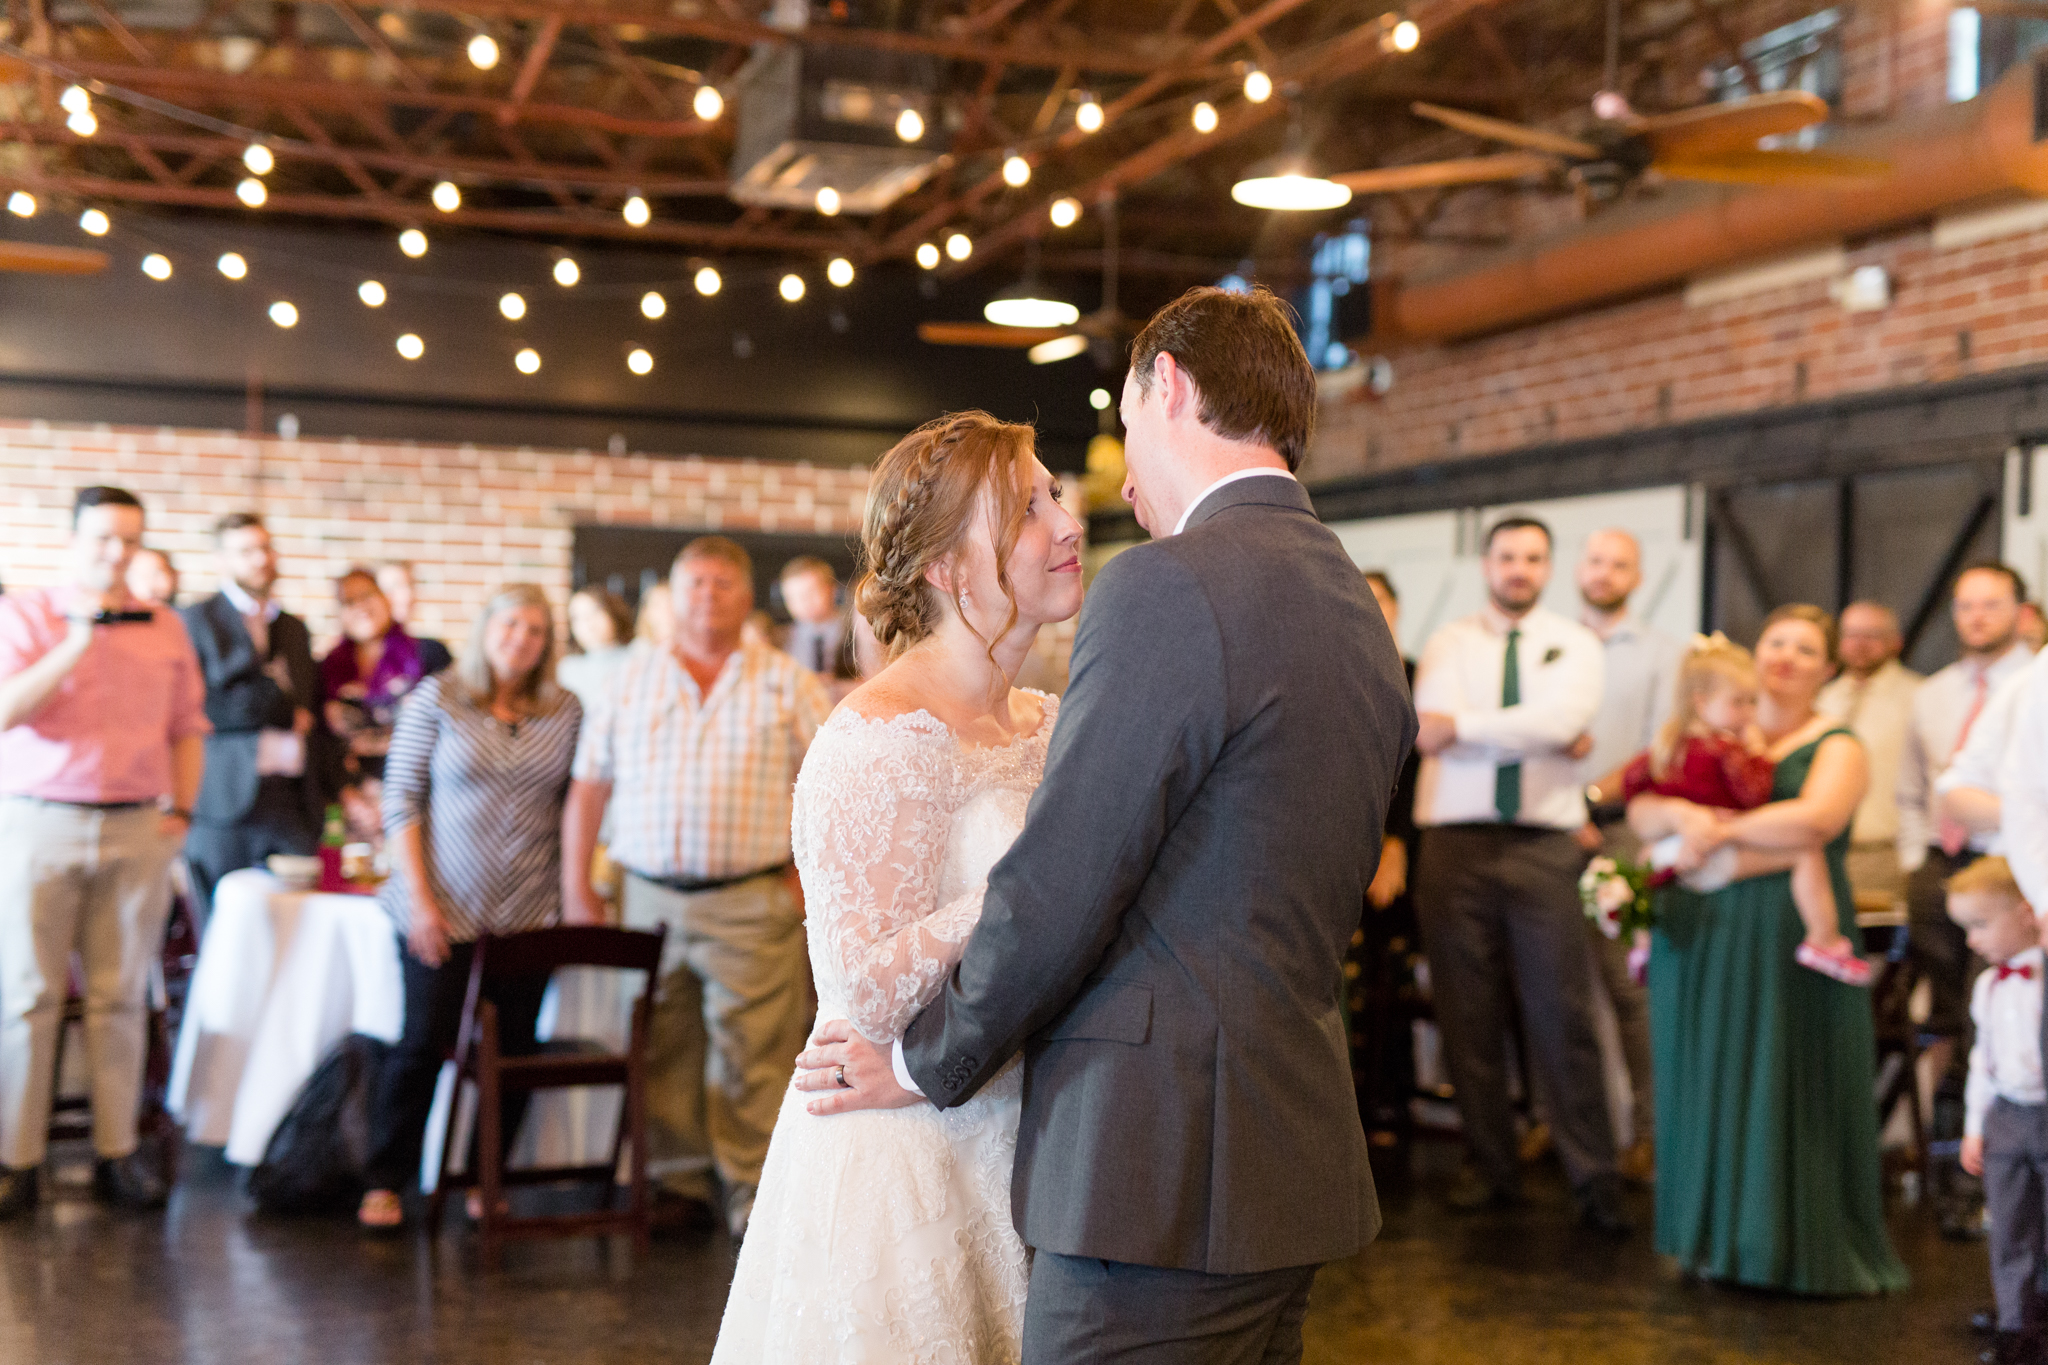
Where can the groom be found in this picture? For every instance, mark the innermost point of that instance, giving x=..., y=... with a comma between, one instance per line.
x=1164, y=941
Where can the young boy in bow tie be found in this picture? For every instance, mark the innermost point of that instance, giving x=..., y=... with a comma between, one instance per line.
x=2005, y=1123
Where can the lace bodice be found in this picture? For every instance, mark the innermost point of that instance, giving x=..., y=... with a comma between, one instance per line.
x=895, y=829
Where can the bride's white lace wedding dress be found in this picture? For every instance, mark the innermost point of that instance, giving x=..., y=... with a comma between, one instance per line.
x=886, y=1236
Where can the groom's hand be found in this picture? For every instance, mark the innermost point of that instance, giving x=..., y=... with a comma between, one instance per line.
x=869, y=1075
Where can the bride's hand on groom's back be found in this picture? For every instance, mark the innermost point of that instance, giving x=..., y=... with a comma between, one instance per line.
x=846, y=1072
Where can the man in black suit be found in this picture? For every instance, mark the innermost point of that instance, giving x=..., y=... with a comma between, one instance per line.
x=1164, y=943
x=271, y=764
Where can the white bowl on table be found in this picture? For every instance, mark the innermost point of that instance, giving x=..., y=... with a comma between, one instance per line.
x=296, y=871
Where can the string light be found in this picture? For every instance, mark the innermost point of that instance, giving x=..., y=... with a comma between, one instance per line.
x=232, y=265
x=828, y=201
x=636, y=212
x=483, y=52
x=411, y=347
x=371, y=293
x=1258, y=86
x=512, y=306
x=284, y=314
x=639, y=361
x=1016, y=171
x=652, y=305
x=708, y=104
x=446, y=197
x=1404, y=36
x=1065, y=212
x=958, y=247
x=527, y=361
x=910, y=125
x=252, y=193
x=707, y=281
x=1204, y=117
x=1099, y=399
x=413, y=243
x=791, y=288
x=258, y=159
x=1088, y=118
x=566, y=273
x=928, y=256
x=156, y=266
x=840, y=271
x=95, y=222
x=74, y=99
x=21, y=204
x=83, y=123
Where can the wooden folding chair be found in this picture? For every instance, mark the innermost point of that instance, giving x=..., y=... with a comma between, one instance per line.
x=479, y=1060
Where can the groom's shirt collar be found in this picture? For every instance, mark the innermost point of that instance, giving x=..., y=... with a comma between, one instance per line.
x=1260, y=473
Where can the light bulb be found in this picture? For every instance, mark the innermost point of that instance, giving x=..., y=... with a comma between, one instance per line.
x=635, y=212
x=258, y=159
x=652, y=305
x=1088, y=118
x=566, y=273
x=1406, y=36
x=1204, y=117
x=828, y=201
x=74, y=99
x=1065, y=212
x=958, y=247
x=512, y=306
x=1098, y=399
x=156, y=266
x=840, y=271
x=527, y=361
x=928, y=256
x=411, y=347
x=483, y=52
x=232, y=265
x=83, y=123
x=1016, y=171
x=95, y=222
x=413, y=242
x=791, y=288
x=21, y=204
x=252, y=193
x=284, y=314
x=910, y=125
x=708, y=104
x=371, y=293
x=1258, y=86
x=707, y=281
x=447, y=198
x=639, y=361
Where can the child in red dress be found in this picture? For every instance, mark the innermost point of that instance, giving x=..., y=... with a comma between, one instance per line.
x=1711, y=753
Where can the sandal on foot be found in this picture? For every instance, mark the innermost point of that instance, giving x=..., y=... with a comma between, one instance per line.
x=1842, y=965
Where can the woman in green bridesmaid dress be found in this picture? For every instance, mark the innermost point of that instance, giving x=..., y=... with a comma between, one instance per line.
x=1767, y=1163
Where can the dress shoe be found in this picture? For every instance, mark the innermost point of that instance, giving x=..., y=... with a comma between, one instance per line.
x=20, y=1190
x=682, y=1212
x=128, y=1182
x=1473, y=1194
x=1600, y=1206
x=2013, y=1348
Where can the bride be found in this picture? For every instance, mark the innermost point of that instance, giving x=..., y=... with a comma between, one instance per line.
x=886, y=1236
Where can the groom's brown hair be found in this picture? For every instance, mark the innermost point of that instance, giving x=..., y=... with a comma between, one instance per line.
x=1240, y=349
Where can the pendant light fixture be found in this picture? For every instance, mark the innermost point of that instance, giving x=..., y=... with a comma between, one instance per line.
x=1028, y=303
x=1289, y=182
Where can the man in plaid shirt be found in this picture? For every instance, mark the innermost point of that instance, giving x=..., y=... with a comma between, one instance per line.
x=698, y=746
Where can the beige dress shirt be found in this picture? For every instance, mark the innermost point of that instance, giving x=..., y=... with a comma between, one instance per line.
x=1879, y=709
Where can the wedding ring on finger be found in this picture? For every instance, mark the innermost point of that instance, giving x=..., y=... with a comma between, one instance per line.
x=839, y=1073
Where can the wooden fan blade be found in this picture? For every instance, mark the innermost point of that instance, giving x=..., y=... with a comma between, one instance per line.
x=987, y=334
x=1757, y=167
x=51, y=260
x=1474, y=170
x=1515, y=134
x=1735, y=126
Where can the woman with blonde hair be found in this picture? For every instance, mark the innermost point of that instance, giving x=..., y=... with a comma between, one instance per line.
x=473, y=793
x=885, y=1229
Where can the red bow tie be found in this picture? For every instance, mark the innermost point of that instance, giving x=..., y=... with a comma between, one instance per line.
x=2025, y=971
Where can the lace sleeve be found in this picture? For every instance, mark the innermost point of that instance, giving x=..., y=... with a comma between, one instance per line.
x=874, y=808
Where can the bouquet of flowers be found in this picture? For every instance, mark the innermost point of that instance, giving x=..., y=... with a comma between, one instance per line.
x=1616, y=895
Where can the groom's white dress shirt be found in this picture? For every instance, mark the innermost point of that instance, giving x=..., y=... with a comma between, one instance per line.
x=2023, y=786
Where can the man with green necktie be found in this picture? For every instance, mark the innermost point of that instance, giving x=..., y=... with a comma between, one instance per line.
x=1503, y=696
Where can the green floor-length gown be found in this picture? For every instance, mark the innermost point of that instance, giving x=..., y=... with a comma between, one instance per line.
x=1767, y=1165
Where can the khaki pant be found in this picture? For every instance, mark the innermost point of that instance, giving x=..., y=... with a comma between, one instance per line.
x=96, y=883
x=731, y=1014
x=1873, y=867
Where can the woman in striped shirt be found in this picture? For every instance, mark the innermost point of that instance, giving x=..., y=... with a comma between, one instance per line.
x=473, y=791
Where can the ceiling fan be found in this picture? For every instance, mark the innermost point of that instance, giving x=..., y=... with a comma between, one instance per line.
x=35, y=259
x=1712, y=142
x=1102, y=332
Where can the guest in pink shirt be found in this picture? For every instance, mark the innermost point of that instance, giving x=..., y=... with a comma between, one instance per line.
x=102, y=743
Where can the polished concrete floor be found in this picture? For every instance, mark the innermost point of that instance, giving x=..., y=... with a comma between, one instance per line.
x=209, y=1283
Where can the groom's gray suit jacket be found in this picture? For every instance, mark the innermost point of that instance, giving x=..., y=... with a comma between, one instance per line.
x=1165, y=939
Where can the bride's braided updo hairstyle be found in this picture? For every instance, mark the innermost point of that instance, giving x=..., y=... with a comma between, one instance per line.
x=922, y=502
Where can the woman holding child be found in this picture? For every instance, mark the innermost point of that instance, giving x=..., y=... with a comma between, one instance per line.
x=1768, y=1169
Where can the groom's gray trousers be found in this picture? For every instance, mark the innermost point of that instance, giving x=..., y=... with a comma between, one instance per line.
x=1084, y=1310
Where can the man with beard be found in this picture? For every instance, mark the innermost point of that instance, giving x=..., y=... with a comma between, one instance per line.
x=1873, y=696
x=1503, y=696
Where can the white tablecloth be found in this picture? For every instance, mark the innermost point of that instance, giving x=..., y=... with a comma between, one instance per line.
x=285, y=975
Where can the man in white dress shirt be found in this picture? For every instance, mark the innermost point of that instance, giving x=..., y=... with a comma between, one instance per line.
x=1873, y=696
x=1502, y=697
